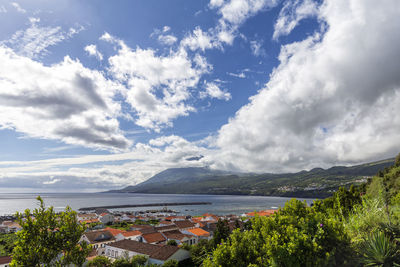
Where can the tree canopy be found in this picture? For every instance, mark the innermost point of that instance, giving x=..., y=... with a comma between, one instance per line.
x=49, y=239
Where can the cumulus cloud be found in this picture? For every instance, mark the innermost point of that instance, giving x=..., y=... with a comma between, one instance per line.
x=334, y=98
x=18, y=7
x=291, y=14
x=256, y=48
x=158, y=86
x=200, y=40
x=234, y=13
x=167, y=39
x=104, y=171
x=213, y=91
x=34, y=41
x=92, y=51
x=65, y=101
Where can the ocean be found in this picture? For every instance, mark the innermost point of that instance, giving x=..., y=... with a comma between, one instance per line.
x=220, y=204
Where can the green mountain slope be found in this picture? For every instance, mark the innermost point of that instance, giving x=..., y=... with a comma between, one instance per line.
x=314, y=183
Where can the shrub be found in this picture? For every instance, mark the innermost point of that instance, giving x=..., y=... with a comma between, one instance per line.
x=296, y=236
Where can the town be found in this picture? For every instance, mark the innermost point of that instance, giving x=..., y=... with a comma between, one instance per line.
x=159, y=235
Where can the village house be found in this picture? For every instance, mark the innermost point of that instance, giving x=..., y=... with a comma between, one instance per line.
x=260, y=213
x=165, y=228
x=5, y=261
x=106, y=218
x=98, y=239
x=86, y=216
x=180, y=238
x=10, y=227
x=156, y=254
x=198, y=233
x=132, y=235
x=184, y=225
x=153, y=238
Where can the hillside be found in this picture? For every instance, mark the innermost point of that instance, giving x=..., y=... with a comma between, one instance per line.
x=317, y=182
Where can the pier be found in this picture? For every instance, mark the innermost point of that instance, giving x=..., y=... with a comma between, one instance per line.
x=145, y=205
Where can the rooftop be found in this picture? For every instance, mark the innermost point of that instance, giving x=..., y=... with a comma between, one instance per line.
x=153, y=251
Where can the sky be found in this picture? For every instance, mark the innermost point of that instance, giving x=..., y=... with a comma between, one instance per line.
x=98, y=95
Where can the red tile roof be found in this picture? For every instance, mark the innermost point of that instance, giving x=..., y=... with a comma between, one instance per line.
x=184, y=224
x=5, y=259
x=198, y=232
x=131, y=233
x=154, y=237
x=153, y=251
x=114, y=232
x=262, y=213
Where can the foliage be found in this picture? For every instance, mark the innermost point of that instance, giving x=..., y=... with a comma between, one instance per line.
x=7, y=243
x=296, y=236
x=100, y=261
x=49, y=238
x=365, y=218
x=201, y=251
x=379, y=250
x=139, y=260
x=172, y=242
x=171, y=263
x=221, y=232
x=341, y=203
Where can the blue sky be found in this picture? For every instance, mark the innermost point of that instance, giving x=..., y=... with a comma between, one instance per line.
x=101, y=94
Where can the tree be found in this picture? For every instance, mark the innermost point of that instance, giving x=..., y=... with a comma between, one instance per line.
x=296, y=236
x=397, y=161
x=48, y=238
x=171, y=263
x=100, y=261
x=139, y=260
x=172, y=242
x=221, y=233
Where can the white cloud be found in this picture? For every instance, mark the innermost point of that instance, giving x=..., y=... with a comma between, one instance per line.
x=200, y=40
x=108, y=38
x=256, y=48
x=237, y=75
x=213, y=91
x=216, y=3
x=159, y=86
x=34, y=41
x=65, y=101
x=234, y=13
x=166, y=29
x=3, y=9
x=291, y=14
x=167, y=39
x=334, y=99
x=143, y=161
x=92, y=51
x=18, y=7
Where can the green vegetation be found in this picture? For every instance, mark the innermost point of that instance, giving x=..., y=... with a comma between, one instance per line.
x=318, y=183
x=359, y=226
x=125, y=261
x=49, y=239
x=7, y=243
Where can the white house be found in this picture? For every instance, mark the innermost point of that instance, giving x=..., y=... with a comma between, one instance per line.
x=5, y=261
x=156, y=254
x=106, y=218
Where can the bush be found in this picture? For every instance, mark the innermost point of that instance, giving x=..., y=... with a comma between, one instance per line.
x=296, y=236
x=100, y=261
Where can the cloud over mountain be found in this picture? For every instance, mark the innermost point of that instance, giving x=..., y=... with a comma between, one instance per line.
x=334, y=98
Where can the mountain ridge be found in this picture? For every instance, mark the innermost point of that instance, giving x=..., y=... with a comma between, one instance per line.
x=317, y=182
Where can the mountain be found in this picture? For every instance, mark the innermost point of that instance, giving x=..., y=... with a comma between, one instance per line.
x=317, y=182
